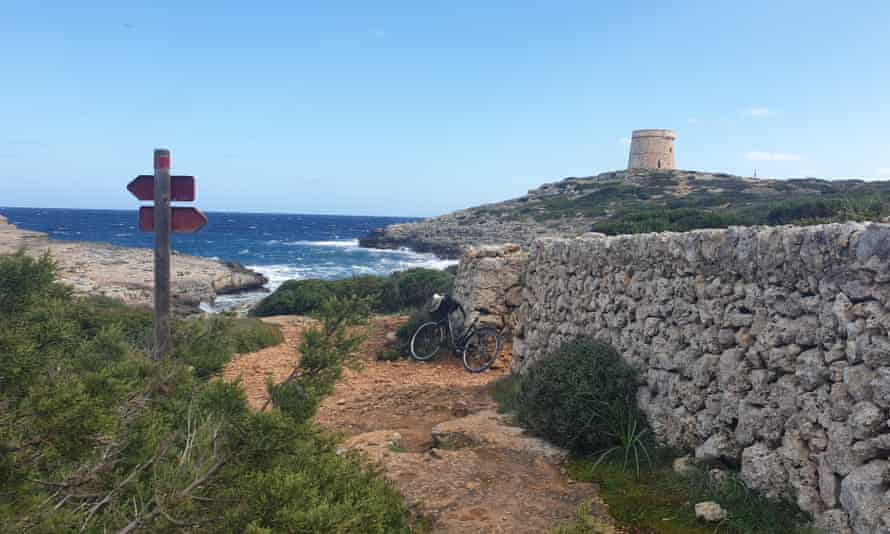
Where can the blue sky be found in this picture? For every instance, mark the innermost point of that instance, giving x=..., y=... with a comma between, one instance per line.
x=419, y=108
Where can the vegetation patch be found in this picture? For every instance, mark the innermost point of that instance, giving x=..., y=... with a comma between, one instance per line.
x=658, y=202
x=585, y=523
x=402, y=344
x=95, y=436
x=661, y=501
x=399, y=291
x=207, y=344
x=505, y=391
x=583, y=397
x=641, y=221
x=827, y=210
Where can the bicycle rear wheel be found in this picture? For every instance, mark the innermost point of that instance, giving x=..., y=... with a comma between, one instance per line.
x=481, y=350
x=426, y=341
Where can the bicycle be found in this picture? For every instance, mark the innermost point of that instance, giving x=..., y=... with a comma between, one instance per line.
x=478, y=346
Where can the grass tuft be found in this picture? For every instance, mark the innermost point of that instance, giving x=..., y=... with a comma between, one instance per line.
x=657, y=500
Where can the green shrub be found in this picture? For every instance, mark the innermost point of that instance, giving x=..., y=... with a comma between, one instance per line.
x=324, y=350
x=207, y=344
x=413, y=288
x=407, y=329
x=297, y=297
x=24, y=280
x=94, y=435
x=505, y=392
x=793, y=211
x=585, y=523
x=250, y=335
x=662, y=501
x=747, y=510
x=816, y=211
x=135, y=323
x=203, y=344
x=399, y=291
x=658, y=219
x=572, y=397
x=388, y=355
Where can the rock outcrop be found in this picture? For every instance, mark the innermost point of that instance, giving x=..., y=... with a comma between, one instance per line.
x=766, y=349
x=128, y=273
x=626, y=201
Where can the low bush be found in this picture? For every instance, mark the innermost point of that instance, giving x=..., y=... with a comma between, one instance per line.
x=817, y=211
x=403, y=334
x=208, y=344
x=747, y=510
x=25, y=281
x=399, y=291
x=583, y=398
x=413, y=288
x=203, y=344
x=657, y=219
x=250, y=335
x=95, y=436
x=660, y=501
x=505, y=392
x=585, y=523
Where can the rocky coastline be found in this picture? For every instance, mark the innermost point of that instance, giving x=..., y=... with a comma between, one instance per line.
x=127, y=274
x=634, y=201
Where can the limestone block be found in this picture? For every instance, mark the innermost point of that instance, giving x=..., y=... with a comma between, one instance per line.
x=863, y=496
x=719, y=448
x=710, y=512
x=762, y=469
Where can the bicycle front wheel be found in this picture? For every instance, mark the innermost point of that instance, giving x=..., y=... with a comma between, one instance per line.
x=426, y=341
x=481, y=350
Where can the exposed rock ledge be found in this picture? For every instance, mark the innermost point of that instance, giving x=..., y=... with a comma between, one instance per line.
x=610, y=202
x=128, y=273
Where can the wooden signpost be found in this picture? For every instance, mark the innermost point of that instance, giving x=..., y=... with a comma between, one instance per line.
x=182, y=188
x=161, y=219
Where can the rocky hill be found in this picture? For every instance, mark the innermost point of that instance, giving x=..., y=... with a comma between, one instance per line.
x=638, y=201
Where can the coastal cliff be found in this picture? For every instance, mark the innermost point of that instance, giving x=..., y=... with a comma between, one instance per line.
x=127, y=274
x=639, y=201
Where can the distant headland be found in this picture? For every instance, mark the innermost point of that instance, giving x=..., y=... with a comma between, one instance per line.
x=651, y=195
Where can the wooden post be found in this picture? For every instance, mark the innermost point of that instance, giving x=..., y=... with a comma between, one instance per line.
x=163, y=343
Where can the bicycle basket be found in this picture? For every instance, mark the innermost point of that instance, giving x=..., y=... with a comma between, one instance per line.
x=436, y=308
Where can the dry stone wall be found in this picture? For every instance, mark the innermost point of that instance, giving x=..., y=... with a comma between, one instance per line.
x=761, y=348
x=489, y=283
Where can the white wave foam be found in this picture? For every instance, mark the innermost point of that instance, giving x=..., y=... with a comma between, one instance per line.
x=346, y=243
x=379, y=265
x=227, y=302
x=376, y=262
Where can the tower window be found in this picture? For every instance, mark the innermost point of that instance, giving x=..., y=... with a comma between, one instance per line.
x=659, y=164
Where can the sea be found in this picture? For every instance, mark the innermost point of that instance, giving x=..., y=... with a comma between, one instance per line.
x=280, y=246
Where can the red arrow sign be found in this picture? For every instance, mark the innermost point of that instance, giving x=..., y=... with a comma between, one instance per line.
x=183, y=220
x=182, y=188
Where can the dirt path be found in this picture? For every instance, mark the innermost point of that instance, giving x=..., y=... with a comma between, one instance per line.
x=434, y=431
x=277, y=362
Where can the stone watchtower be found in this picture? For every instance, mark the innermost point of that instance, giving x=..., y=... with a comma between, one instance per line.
x=652, y=149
